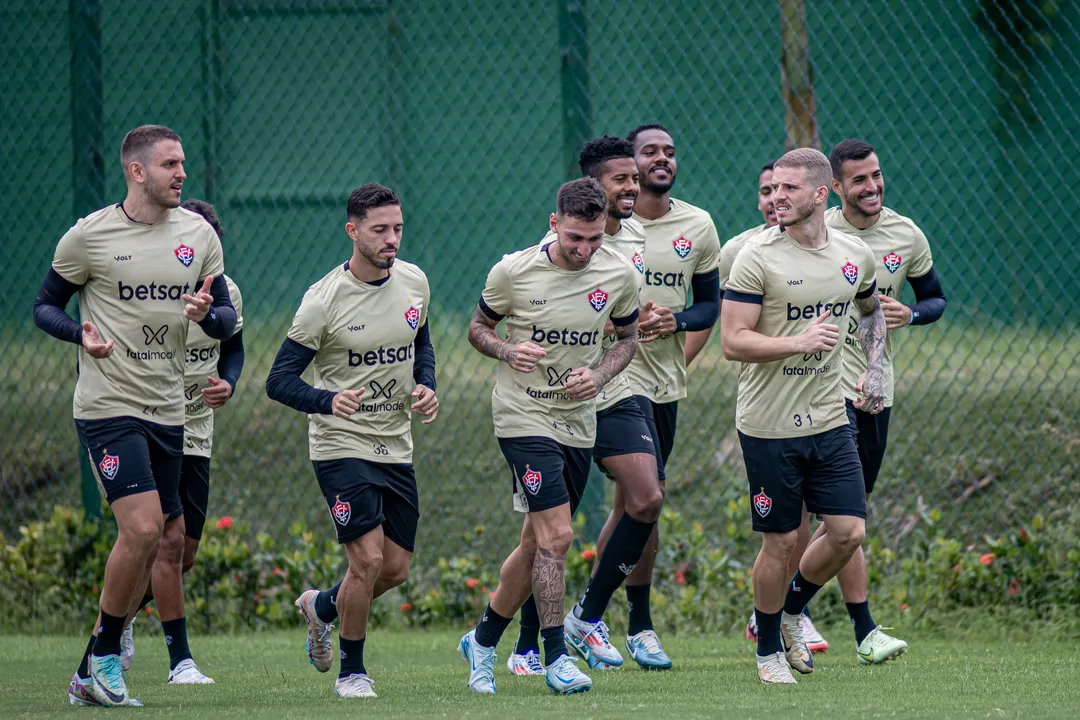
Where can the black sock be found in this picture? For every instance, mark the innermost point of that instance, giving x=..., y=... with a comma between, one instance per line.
x=860, y=619
x=491, y=628
x=800, y=591
x=554, y=644
x=146, y=600
x=768, y=633
x=175, y=632
x=326, y=604
x=109, y=632
x=529, y=635
x=84, y=666
x=622, y=552
x=637, y=600
x=352, y=657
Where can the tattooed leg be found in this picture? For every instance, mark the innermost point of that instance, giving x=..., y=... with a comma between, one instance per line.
x=549, y=586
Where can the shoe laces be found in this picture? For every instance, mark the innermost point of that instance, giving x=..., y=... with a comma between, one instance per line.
x=650, y=642
x=532, y=662
x=566, y=666
x=112, y=670
x=776, y=665
x=486, y=660
x=795, y=630
x=357, y=681
x=878, y=637
x=324, y=634
x=602, y=632
x=807, y=626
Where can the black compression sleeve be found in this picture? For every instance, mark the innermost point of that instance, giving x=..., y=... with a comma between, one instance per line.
x=231, y=361
x=49, y=313
x=285, y=385
x=424, y=363
x=220, y=322
x=929, y=299
x=703, y=313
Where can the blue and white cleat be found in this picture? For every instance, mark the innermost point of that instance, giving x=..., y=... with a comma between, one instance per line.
x=481, y=664
x=590, y=642
x=564, y=678
x=647, y=652
x=527, y=664
x=79, y=692
x=107, y=684
x=127, y=647
x=320, y=647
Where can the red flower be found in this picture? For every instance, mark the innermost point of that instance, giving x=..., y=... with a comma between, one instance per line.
x=471, y=583
x=1014, y=586
x=256, y=598
x=406, y=607
x=903, y=607
x=679, y=577
x=1022, y=536
x=987, y=559
x=956, y=567
x=279, y=572
x=588, y=555
x=483, y=589
x=224, y=523
x=148, y=610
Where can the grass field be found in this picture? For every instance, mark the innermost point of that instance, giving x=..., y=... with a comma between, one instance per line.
x=419, y=674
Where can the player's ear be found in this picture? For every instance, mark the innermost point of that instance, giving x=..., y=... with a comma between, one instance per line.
x=352, y=231
x=553, y=223
x=836, y=186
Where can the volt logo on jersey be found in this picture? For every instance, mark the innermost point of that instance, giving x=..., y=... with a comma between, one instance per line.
x=892, y=261
x=598, y=299
x=341, y=511
x=412, y=317
x=109, y=465
x=639, y=262
x=762, y=503
x=851, y=272
x=682, y=246
x=531, y=480
x=185, y=255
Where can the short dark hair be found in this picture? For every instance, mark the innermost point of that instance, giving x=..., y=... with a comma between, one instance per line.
x=583, y=199
x=139, y=142
x=767, y=166
x=207, y=211
x=366, y=197
x=599, y=150
x=850, y=149
x=632, y=135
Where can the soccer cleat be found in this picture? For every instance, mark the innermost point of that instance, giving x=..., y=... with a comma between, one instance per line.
x=814, y=642
x=356, y=685
x=646, y=651
x=481, y=664
x=877, y=647
x=79, y=693
x=319, y=637
x=527, y=664
x=185, y=673
x=590, y=642
x=795, y=650
x=773, y=670
x=107, y=684
x=564, y=678
x=127, y=647
x=751, y=627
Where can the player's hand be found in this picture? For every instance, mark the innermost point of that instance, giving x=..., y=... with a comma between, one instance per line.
x=871, y=388
x=198, y=305
x=656, y=320
x=820, y=335
x=524, y=356
x=346, y=403
x=93, y=344
x=581, y=385
x=609, y=328
x=897, y=314
x=426, y=403
x=217, y=394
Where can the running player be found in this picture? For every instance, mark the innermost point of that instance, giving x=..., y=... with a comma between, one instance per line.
x=556, y=298
x=144, y=269
x=364, y=325
x=624, y=447
x=785, y=286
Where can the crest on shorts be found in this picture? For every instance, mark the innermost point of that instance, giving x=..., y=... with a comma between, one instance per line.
x=892, y=261
x=185, y=255
x=531, y=480
x=851, y=272
x=682, y=246
x=762, y=503
x=341, y=511
x=109, y=465
x=598, y=299
x=412, y=316
x=639, y=262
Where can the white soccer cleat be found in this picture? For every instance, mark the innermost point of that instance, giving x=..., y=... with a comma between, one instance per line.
x=647, y=652
x=185, y=673
x=878, y=647
x=527, y=664
x=320, y=647
x=773, y=670
x=355, y=686
x=107, y=684
x=815, y=643
x=590, y=642
x=481, y=664
x=127, y=647
x=564, y=677
x=795, y=650
x=79, y=692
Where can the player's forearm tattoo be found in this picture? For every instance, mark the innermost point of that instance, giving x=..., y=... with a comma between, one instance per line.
x=871, y=329
x=618, y=356
x=483, y=337
x=549, y=586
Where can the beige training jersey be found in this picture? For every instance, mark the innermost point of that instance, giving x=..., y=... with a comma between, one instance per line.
x=363, y=337
x=133, y=276
x=681, y=244
x=731, y=249
x=564, y=312
x=801, y=394
x=200, y=362
x=900, y=251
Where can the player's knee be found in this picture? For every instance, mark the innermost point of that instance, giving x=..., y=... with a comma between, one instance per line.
x=557, y=540
x=365, y=566
x=394, y=574
x=171, y=549
x=779, y=546
x=143, y=532
x=848, y=538
x=645, y=507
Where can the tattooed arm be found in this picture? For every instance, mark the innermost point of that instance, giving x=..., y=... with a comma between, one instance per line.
x=872, y=338
x=549, y=586
x=482, y=335
x=586, y=383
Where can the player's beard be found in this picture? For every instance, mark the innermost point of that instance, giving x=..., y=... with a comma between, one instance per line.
x=854, y=203
x=616, y=211
x=658, y=188
x=159, y=194
x=372, y=256
x=802, y=213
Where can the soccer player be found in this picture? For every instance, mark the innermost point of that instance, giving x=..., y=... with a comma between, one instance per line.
x=203, y=393
x=364, y=325
x=624, y=448
x=556, y=298
x=786, y=285
x=682, y=251
x=144, y=269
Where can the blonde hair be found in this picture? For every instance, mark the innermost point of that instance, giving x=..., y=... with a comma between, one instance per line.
x=817, y=167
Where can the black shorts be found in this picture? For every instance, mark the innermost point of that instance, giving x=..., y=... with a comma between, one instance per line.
x=130, y=455
x=622, y=430
x=871, y=435
x=546, y=474
x=195, y=494
x=362, y=495
x=821, y=470
x=662, y=419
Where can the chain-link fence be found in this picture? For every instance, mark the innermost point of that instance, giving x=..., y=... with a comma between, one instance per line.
x=474, y=113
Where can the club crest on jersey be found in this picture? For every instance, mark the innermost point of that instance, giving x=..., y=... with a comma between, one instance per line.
x=598, y=299
x=341, y=511
x=892, y=262
x=639, y=262
x=185, y=255
x=109, y=465
x=531, y=480
x=762, y=503
x=412, y=316
x=682, y=246
x=851, y=272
